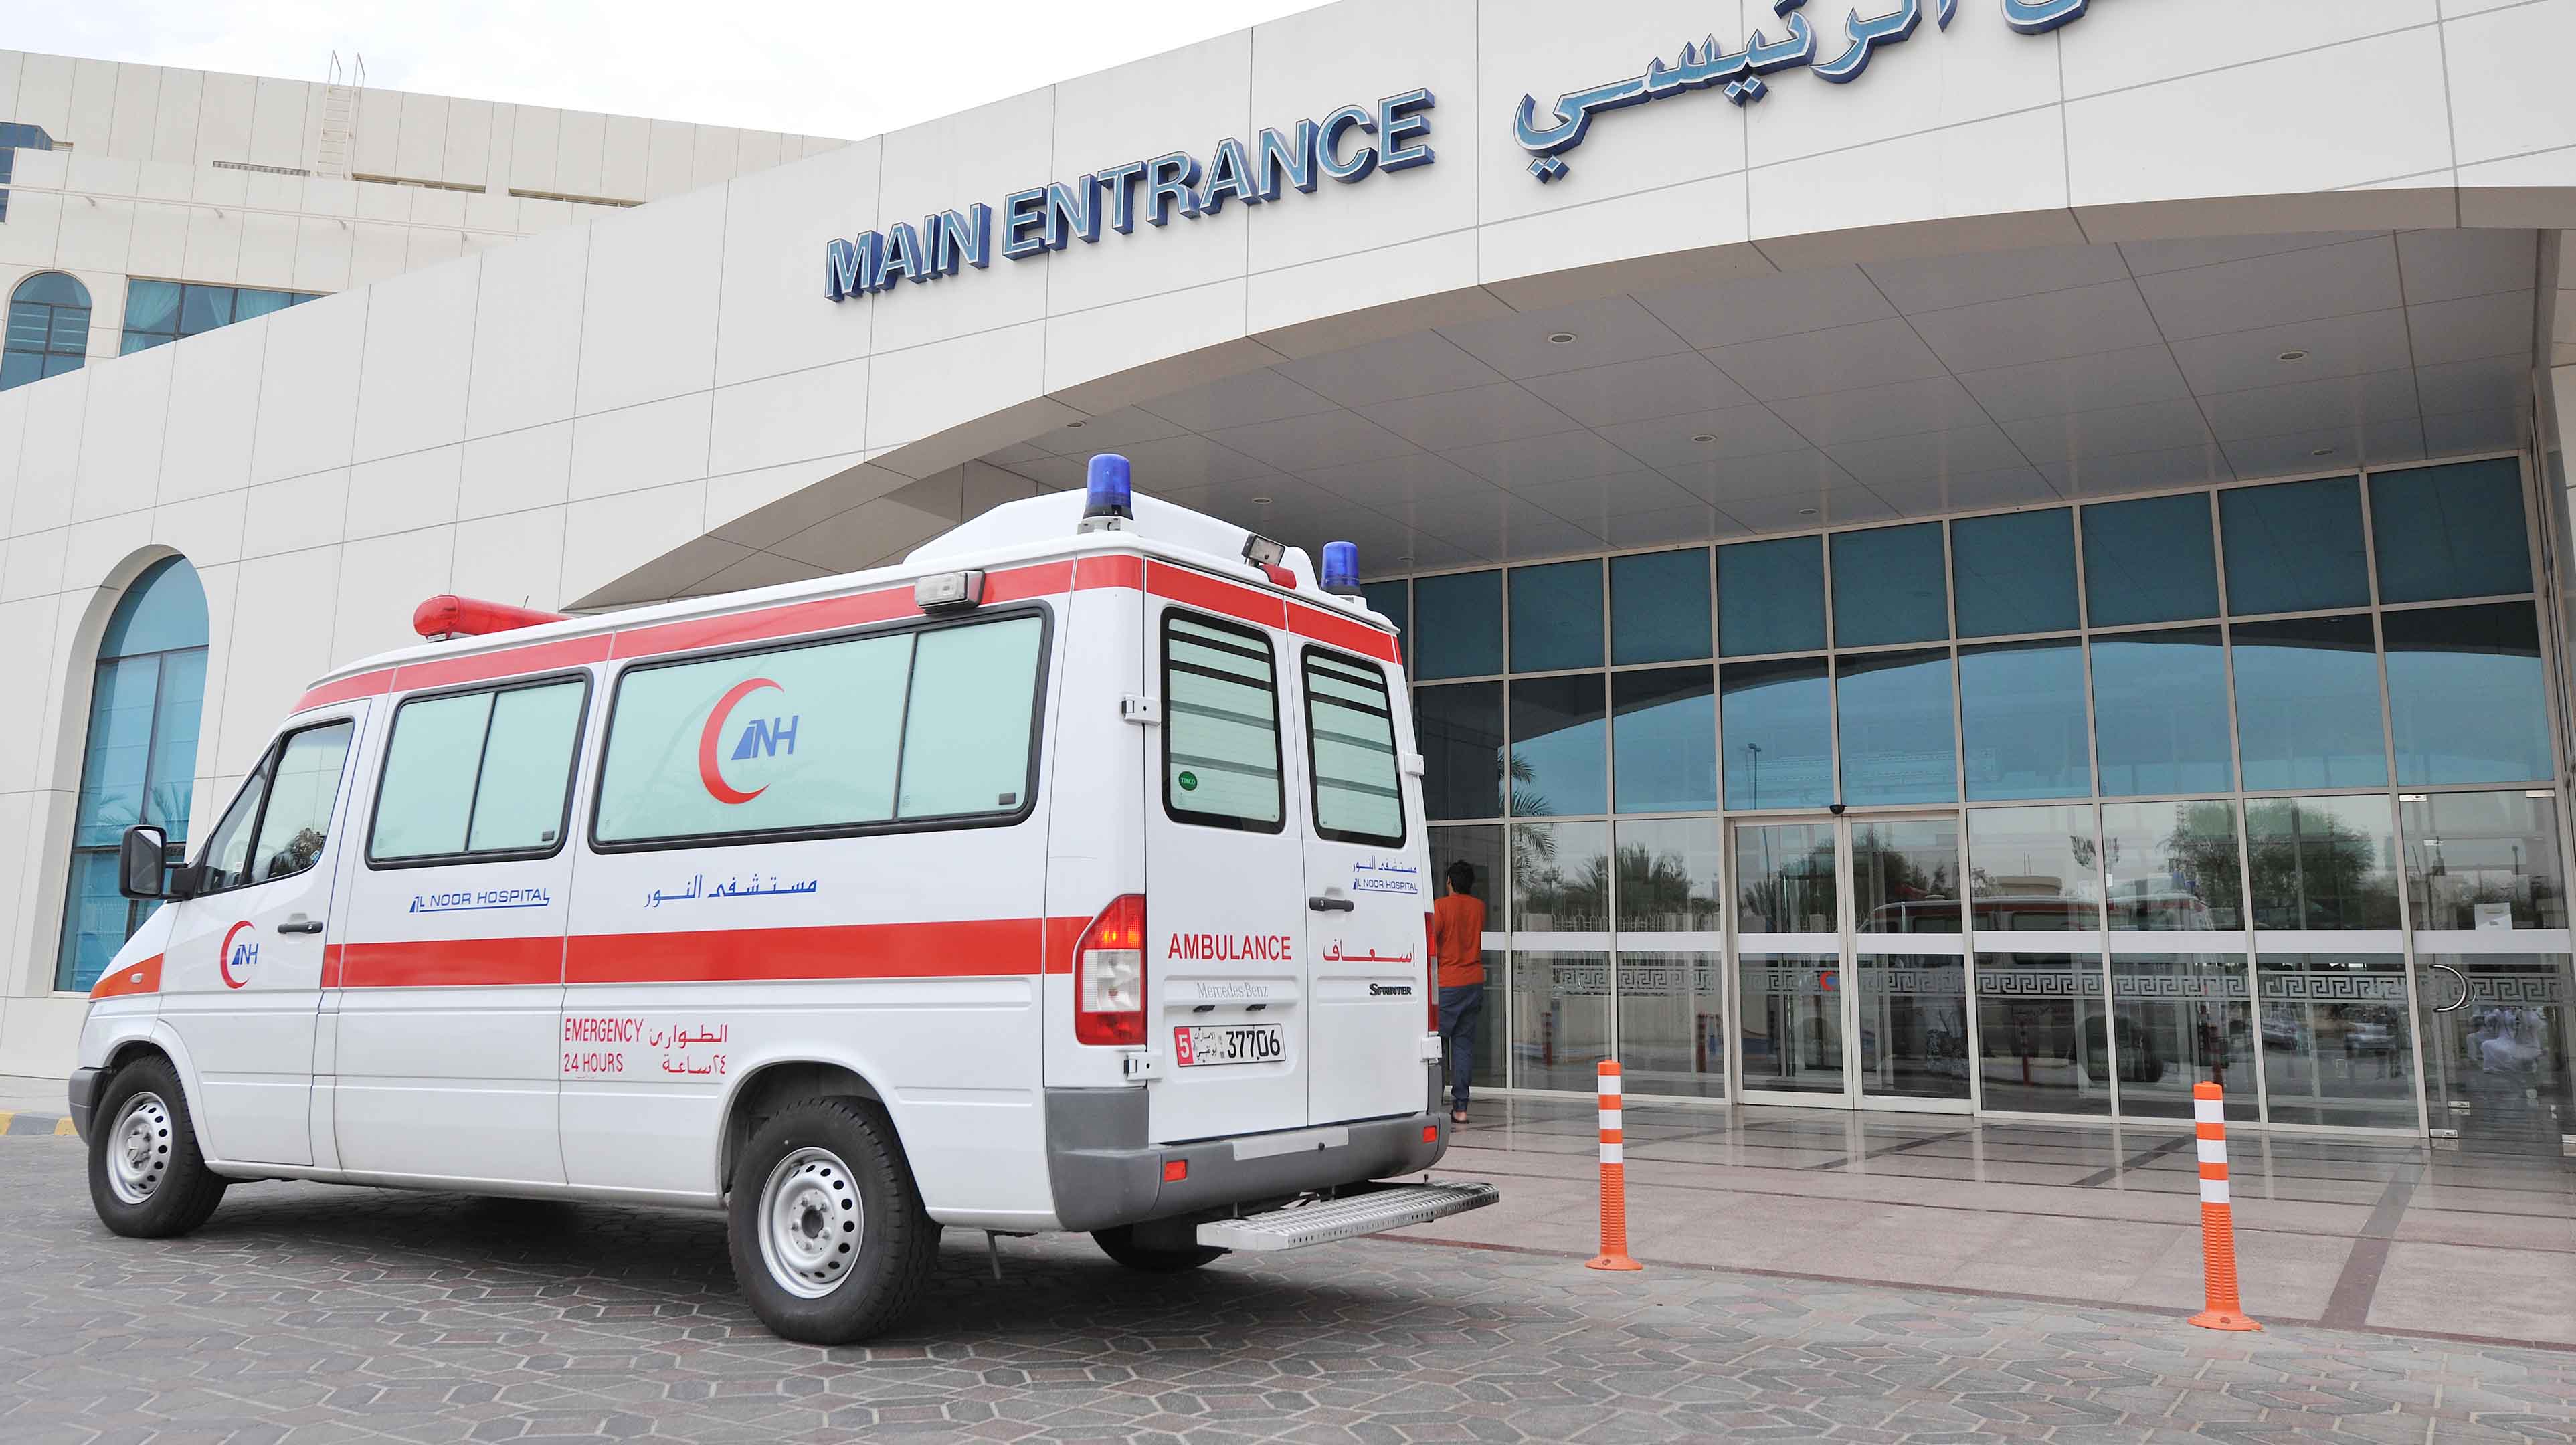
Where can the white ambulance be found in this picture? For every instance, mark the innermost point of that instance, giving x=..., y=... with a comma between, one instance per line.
x=1069, y=876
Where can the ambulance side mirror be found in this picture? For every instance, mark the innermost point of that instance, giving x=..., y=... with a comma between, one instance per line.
x=138, y=860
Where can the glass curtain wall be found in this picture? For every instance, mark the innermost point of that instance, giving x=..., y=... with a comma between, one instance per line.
x=2176, y=733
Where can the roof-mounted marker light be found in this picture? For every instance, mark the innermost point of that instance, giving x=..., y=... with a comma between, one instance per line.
x=1269, y=558
x=1342, y=568
x=1108, y=498
x=949, y=591
x=448, y=615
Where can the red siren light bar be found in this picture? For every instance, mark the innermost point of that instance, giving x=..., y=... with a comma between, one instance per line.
x=448, y=615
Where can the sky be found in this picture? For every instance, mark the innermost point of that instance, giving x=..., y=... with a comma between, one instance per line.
x=802, y=66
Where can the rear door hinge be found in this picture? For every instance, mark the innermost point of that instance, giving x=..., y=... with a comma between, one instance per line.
x=1139, y=709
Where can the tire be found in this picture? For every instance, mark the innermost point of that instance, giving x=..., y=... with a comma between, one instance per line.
x=147, y=1177
x=829, y=1238
x=1120, y=1244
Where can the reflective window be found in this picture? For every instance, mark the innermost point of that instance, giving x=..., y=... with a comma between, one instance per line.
x=969, y=729
x=2031, y=870
x=1891, y=584
x=2321, y=863
x=1669, y=876
x=1659, y=607
x=2466, y=694
x=2160, y=712
x=1560, y=765
x=2483, y=860
x=1913, y=1040
x=1663, y=737
x=2307, y=704
x=1672, y=1023
x=1350, y=740
x=226, y=860
x=1896, y=717
x=304, y=783
x=1458, y=625
x=2180, y=1019
x=2149, y=561
x=2336, y=1046
x=1460, y=732
x=1479, y=846
x=1556, y=616
x=2039, y=1028
x=2172, y=865
x=160, y=312
x=2021, y=709
x=2454, y=531
x=2014, y=572
x=2294, y=547
x=48, y=329
x=2496, y=1063
x=139, y=759
x=1776, y=719
x=1560, y=877
x=478, y=772
x=1221, y=762
x=1785, y=879
x=1905, y=876
x=1560, y=1019
x=1771, y=596
x=1394, y=602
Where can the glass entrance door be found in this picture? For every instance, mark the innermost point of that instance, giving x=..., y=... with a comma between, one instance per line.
x=1851, y=971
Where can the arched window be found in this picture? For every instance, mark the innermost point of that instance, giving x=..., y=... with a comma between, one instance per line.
x=48, y=329
x=141, y=760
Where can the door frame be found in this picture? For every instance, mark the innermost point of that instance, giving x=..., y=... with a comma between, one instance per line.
x=1846, y=945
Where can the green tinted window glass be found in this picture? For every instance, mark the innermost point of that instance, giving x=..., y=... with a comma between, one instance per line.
x=2307, y=704
x=2466, y=694
x=1776, y=720
x=2021, y=707
x=1890, y=585
x=2160, y=712
x=2454, y=531
x=2149, y=561
x=1771, y=596
x=1659, y=607
x=1556, y=616
x=2014, y=573
x=1394, y=602
x=1894, y=714
x=1458, y=625
x=2294, y=547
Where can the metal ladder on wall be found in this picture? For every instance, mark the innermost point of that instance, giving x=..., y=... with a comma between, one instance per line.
x=340, y=116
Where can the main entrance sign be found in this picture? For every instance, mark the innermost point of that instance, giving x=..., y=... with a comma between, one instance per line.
x=1348, y=146
x=1706, y=64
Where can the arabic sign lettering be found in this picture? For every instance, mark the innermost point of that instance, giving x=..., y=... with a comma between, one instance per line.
x=1373, y=874
x=776, y=887
x=1348, y=146
x=1739, y=74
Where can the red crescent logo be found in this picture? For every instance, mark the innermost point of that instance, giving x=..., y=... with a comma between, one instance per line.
x=717, y=787
x=224, y=960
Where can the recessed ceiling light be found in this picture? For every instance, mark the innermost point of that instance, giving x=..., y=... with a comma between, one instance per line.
x=1075, y=425
x=2294, y=354
x=1261, y=501
x=1407, y=557
x=1560, y=338
x=1704, y=438
x=1806, y=511
x=2322, y=452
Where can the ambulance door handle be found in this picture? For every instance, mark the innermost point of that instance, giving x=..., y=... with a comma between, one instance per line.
x=1331, y=905
x=300, y=924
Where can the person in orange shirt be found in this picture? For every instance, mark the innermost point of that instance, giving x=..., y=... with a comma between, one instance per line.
x=1458, y=937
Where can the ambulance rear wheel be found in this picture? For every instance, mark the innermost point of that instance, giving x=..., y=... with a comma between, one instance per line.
x=829, y=1238
x=1120, y=1244
x=147, y=1178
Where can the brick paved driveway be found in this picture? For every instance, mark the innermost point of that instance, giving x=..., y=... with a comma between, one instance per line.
x=306, y=1313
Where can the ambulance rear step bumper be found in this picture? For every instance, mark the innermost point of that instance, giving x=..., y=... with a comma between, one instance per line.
x=1322, y=1221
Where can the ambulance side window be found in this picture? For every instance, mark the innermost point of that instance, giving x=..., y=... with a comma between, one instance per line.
x=1350, y=735
x=279, y=824
x=1221, y=763
x=486, y=772
x=227, y=856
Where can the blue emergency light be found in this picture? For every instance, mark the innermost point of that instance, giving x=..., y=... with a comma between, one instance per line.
x=1107, y=493
x=1342, y=568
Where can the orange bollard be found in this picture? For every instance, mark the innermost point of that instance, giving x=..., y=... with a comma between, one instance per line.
x=1614, y=1180
x=2217, y=1221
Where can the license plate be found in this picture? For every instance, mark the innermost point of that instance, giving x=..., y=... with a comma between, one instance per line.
x=1200, y=1045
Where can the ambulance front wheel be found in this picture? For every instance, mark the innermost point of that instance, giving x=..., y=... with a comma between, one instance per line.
x=147, y=1177
x=829, y=1238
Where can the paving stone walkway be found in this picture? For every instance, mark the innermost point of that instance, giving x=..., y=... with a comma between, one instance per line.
x=305, y=1313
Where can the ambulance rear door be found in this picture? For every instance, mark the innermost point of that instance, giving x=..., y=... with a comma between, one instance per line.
x=1225, y=959
x=1369, y=981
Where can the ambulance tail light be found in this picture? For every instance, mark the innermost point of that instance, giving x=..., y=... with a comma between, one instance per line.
x=1431, y=970
x=1109, y=976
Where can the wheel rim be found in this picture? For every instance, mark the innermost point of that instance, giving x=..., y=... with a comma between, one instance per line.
x=811, y=1223
x=138, y=1149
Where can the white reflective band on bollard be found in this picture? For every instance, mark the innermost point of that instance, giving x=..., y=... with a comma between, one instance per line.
x=1610, y=1154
